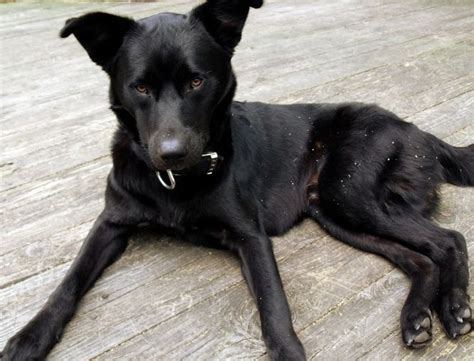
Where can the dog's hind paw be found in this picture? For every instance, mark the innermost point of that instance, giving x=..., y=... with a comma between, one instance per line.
x=455, y=313
x=416, y=328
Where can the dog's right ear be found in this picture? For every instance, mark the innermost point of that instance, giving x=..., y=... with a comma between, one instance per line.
x=225, y=19
x=99, y=33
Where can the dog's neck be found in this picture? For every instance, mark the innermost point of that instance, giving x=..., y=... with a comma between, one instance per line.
x=221, y=133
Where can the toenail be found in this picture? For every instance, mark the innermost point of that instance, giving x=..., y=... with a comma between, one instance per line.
x=459, y=319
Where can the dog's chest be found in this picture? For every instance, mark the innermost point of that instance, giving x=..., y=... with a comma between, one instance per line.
x=190, y=221
x=174, y=218
x=181, y=217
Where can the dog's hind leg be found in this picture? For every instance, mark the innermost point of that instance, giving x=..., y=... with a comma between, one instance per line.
x=446, y=248
x=380, y=178
x=416, y=318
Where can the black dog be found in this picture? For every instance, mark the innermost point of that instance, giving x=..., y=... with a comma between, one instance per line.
x=229, y=174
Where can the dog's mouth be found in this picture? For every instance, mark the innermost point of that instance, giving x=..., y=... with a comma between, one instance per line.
x=176, y=166
x=158, y=165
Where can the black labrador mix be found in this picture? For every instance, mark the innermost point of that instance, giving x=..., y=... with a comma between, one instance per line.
x=227, y=174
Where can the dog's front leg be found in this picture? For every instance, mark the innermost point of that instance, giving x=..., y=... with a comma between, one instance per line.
x=261, y=273
x=105, y=242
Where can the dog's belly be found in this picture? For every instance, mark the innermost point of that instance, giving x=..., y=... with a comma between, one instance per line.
x=287, y=205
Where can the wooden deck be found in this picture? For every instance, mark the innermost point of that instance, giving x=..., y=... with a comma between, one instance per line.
x=166, y=300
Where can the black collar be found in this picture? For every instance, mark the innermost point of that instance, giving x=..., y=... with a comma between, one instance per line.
x=207, y=166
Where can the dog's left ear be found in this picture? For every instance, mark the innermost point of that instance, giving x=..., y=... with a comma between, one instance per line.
x=225, y=19
x=101, y=34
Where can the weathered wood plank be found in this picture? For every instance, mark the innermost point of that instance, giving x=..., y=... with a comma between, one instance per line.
x=438, y=119
x=406, y=86
x=296, y=76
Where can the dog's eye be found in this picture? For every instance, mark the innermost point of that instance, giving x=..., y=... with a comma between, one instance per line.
x=196, y=83
x=141, y=89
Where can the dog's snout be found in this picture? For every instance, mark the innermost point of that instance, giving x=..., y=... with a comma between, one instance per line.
x=172, y=150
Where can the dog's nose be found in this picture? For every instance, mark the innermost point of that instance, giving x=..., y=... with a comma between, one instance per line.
x=172, y=150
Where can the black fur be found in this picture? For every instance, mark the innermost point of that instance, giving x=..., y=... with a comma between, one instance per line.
x=366, y=176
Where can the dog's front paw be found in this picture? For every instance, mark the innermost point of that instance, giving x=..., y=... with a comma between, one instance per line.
x=285, y=353
x=289, y=349
x=32, y=343
x=21, y=347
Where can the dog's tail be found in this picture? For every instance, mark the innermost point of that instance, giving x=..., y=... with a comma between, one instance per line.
x=457, y=163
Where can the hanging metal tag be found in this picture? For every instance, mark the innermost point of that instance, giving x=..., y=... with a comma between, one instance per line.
x=172, y=184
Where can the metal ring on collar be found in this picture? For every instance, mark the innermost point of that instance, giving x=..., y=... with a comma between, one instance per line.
x=172, y=184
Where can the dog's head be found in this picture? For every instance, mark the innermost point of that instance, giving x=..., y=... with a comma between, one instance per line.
x=170, y=74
